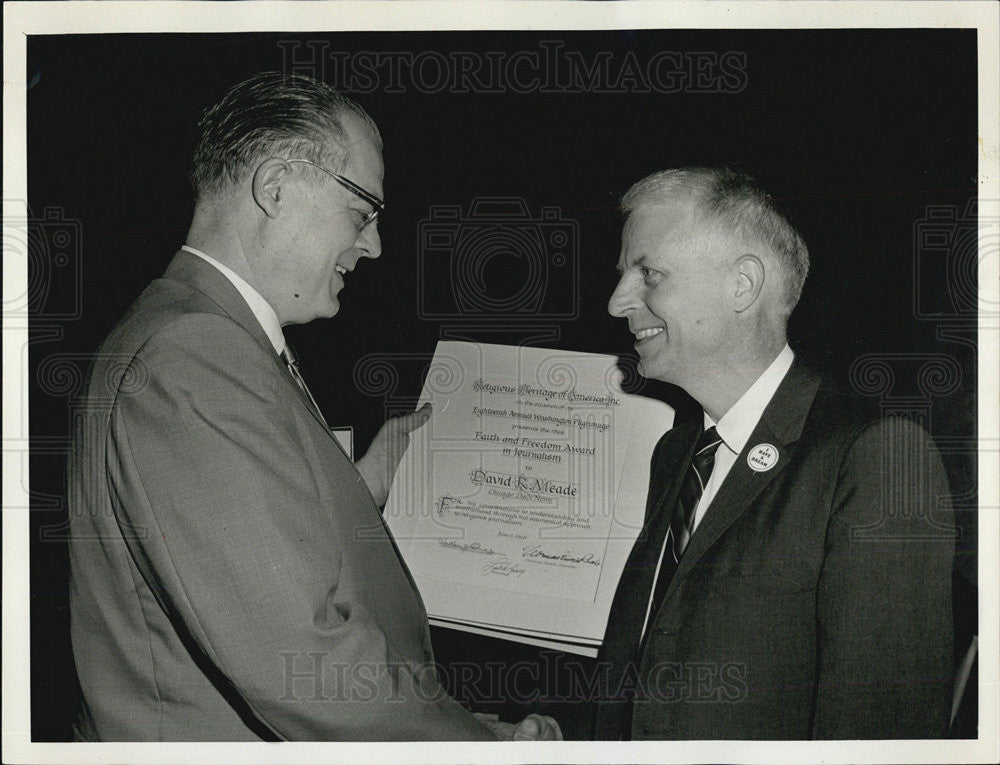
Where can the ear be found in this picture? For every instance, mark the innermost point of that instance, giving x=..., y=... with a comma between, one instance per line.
x=268, y=181
x=749, y=272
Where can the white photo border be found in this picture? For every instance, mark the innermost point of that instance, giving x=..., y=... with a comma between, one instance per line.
x=51, y=18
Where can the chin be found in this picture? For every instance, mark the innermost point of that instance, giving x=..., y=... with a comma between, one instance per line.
x=650, y=372
x=333, y=309
x=654, y=369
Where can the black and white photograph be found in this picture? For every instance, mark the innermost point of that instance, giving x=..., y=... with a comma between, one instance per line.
x=501, y=382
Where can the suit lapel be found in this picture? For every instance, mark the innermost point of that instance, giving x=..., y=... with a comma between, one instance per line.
x=670, y=459
x=207, y=279
x=302, y=395
x=780, y=426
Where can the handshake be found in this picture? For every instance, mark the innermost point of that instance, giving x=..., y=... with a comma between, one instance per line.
x=531, y=728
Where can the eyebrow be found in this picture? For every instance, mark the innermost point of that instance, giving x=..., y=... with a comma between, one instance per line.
x=642, y=260
x=364, y=204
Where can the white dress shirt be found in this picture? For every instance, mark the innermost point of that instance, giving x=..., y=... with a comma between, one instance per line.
x=737, y=425
x=735, y=429
x=261, y=308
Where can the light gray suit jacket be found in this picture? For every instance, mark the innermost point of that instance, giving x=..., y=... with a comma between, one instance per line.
x=231, y=577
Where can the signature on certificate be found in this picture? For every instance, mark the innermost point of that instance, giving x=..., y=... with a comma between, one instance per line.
x=536, y=552
x=467, y=547
x=502, y=566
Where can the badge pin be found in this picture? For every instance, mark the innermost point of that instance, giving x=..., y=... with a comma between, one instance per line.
x=762, y=457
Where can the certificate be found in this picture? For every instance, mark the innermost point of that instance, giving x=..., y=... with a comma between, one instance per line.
x=516, y=506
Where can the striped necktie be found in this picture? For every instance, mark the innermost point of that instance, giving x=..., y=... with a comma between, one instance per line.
x=695, y=480
x=682, y=521
x=292, y=362
x=647, y=575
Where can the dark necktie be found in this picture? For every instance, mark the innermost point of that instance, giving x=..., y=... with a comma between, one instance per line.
x=695, y=480
x=292, y=362
x=682, y=521
x=644, y=582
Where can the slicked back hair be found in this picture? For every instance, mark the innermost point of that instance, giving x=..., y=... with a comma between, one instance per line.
x=271, y=114
x=734, y=200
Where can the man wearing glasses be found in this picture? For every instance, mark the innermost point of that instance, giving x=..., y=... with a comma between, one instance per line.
x=231, y=576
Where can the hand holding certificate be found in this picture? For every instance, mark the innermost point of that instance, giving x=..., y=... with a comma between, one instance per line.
x=517, y=505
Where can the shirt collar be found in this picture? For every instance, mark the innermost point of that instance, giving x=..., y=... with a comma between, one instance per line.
x=737, y=425
x=258, y=305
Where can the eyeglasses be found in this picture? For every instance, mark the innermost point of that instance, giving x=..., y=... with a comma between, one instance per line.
x=378, y=206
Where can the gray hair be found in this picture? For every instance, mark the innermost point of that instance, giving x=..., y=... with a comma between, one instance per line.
x=271, y=114
x=735, y=200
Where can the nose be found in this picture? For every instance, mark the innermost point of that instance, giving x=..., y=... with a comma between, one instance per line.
x=369, y=241
x=625, y=297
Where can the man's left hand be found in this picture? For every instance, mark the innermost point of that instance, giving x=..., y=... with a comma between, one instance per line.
x=532, y=728
x=537, y=728
x=379, y=464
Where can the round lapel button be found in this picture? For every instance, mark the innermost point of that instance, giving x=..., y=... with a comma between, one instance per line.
x=762, y=457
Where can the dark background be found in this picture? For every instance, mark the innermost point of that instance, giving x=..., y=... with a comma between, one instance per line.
x=860, y=136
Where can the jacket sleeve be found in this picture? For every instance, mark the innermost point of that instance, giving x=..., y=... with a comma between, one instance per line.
x=884, y=627
x=204, y=456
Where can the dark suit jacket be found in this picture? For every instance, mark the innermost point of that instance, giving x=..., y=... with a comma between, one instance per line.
x=814, y=598
x=231, y=577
